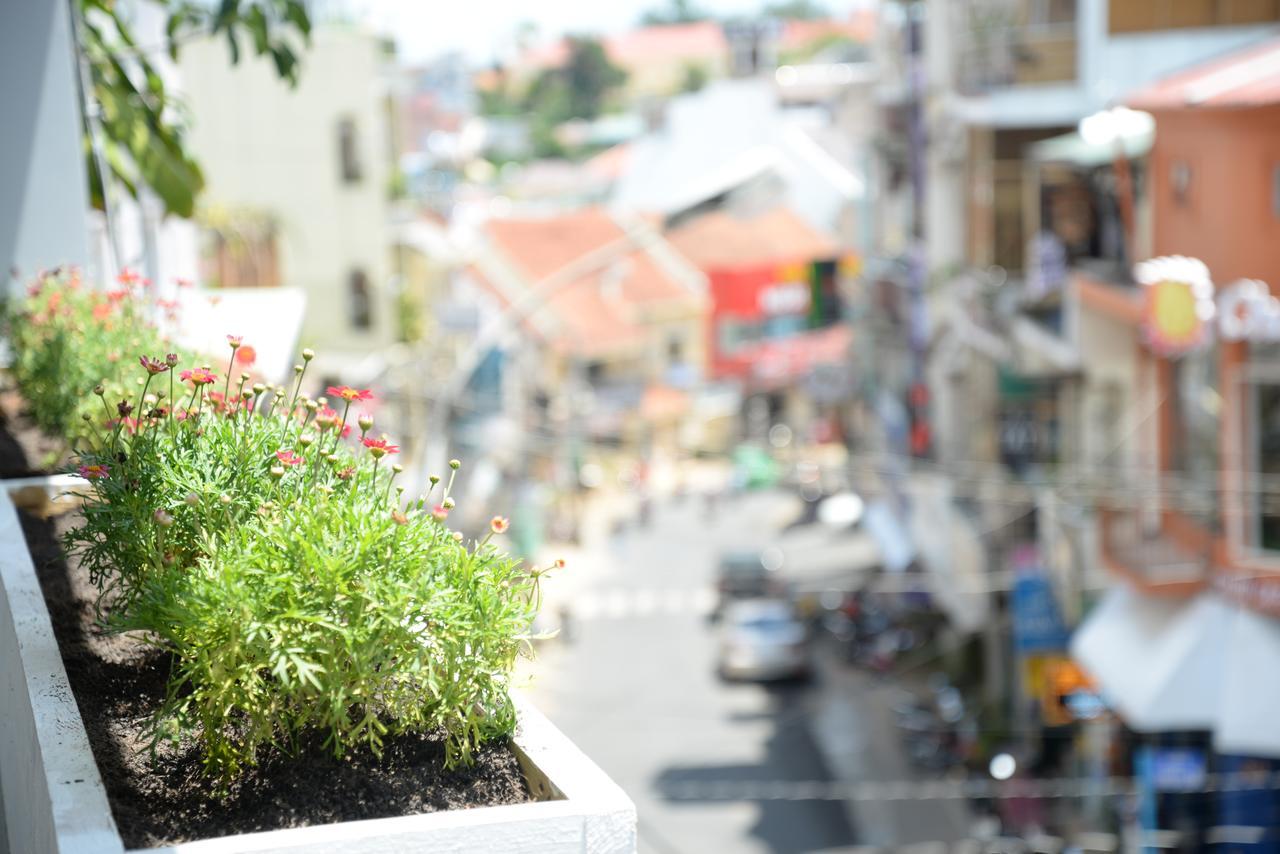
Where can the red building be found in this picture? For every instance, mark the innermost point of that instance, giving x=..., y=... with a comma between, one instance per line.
x=775, y=308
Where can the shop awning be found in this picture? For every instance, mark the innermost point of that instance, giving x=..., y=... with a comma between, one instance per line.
x=952, y=551
x=1204, y=663
x=1071, y=148
x=1158, y=661
x=1248, y=724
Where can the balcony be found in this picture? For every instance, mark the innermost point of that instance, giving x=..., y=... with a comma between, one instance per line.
x=1172, y=556
x=1006, y=45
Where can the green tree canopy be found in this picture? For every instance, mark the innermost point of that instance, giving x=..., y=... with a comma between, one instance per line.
x=675, y=12
x=802, y=10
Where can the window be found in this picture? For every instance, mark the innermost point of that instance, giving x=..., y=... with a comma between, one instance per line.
x=348, y=151
x=1193, y=431
x=675, y=349
x=1180, y=181
x=1275, y=191
x=361, y=303
x=734, y=334
x=1264, y=497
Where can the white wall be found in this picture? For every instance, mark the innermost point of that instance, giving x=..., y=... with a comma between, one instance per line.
x=43, y=197
x=266, y=146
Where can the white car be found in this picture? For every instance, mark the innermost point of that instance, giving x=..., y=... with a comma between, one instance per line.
x=761, y=639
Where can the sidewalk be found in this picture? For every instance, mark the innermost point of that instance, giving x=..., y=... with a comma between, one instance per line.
x=853, y=726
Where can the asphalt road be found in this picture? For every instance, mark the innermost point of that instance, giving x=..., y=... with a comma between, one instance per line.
x=634, y=685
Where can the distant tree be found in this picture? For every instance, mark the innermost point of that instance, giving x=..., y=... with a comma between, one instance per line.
x=589, y=76
x=695, y=77
x=799, y=10
x=675, y=12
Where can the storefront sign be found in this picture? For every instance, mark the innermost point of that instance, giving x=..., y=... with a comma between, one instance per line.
x=785, y=298
x=1037, y=622
x=1181, y=311
x=1177, y=303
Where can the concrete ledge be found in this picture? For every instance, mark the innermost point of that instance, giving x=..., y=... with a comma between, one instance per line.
x=54, y=800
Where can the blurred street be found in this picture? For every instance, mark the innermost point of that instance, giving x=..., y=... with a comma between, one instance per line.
x=713, y=765
x=635, y=686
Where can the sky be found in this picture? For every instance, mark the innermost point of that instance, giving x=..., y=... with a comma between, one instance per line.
x=483, y=29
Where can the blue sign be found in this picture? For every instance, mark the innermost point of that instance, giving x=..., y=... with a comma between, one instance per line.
x=1037, y=622
x=1174, y=769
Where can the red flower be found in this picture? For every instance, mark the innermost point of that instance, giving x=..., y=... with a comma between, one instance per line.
x=348, y=393
x=128, y=277
x=379, y=448
x=440, y=512
x=235, y=341
x=199, y=376
x=153, y=366
x=246, y=355
x=183, y=283
x=94, y=471
x=288, y=458
x=117, y=296
x=101, y=311
x=346, y=431
x=346, y=473
x=559, y=564
x=499, y=524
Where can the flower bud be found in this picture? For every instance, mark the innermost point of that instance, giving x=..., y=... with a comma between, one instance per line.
x=277, y=472
x=435, y=478
x=84, y=416
x=312, y=406
x=162, y=518
x=99, y=390
x=457, y=536
x=124, y=407
x=365, y=421
x=246, y=395
x=171, y=360
x=297, y=369
x=397, y=468
x=259, y=388
x=455, y=464
x=306, y=440
x=448, y=504
x=308, y=354
x=224, y=498
x=245, y=376
x=192, y=499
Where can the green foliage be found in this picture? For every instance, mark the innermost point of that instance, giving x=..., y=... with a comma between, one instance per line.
x=589, y=77
x=695, y=77
x=800, y=10
x=67, y=338
x=142, y=122
x=235, y=526
x=675, y=12
x=578, y=90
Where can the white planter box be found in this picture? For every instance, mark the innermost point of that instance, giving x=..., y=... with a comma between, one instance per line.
x=54, y=800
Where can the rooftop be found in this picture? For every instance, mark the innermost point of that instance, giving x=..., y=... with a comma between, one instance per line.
x=721, y=240
x=599, y=311
x=1246, y=78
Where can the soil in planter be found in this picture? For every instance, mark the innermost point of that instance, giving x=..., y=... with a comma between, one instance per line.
x=119, y=682
x=25, y=450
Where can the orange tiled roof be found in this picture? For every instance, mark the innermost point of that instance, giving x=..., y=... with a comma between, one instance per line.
x=722, y=240
x=598, y=312
x=1246, y=78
